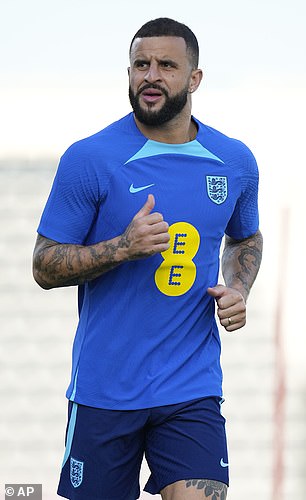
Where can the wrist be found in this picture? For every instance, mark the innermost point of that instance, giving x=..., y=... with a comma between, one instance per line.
x=122, y=245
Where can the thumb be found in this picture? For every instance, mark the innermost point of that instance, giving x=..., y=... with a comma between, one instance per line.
x=147, y=207
x=216, y=291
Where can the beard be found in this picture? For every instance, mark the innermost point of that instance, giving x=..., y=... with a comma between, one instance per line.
x=172, y=107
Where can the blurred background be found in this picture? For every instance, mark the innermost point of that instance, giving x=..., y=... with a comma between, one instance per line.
x=63, y=77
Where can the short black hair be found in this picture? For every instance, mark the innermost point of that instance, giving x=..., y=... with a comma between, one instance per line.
x=164, y=26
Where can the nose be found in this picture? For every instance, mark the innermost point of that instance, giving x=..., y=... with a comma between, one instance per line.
x=153, y=73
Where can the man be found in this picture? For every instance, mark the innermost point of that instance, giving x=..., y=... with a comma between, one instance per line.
x=135, y=218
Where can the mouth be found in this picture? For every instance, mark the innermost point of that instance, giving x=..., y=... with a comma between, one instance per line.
x=151, y=95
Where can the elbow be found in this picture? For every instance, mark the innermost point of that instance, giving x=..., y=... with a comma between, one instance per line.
x=44, y=285
x=40, y=279
x=41, y=269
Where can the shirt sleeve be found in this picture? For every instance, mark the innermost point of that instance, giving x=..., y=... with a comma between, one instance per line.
x=245, y=219
x=73, y=201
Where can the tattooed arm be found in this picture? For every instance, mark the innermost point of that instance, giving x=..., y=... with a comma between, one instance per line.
x=57, y=265
x=241, y=261
x=240, y=264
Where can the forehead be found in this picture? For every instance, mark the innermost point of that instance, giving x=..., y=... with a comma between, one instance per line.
x=161, y=47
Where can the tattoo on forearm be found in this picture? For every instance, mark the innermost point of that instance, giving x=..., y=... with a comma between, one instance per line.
x=67, y=265
x=58, y=264
x=248, y=255
x=213, y=490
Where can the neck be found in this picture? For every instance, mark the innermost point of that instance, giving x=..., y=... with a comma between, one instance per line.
x=177, y=131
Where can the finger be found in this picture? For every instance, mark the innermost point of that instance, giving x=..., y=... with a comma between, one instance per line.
x=234, y=310
x=220, y=294
x=160, y=238
x=216, y=291
x=235, y=327
x=234, y=302
x=232, y=320
x=233, y=323
x=147, y=207
x=154, y=218
x=159, y=227
x=161, y=247
x=227, y=297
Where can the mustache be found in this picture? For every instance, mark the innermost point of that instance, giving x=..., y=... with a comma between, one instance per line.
x=152, y=86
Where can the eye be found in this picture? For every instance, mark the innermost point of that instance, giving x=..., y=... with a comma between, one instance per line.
x=168, y=64
x=141, y=64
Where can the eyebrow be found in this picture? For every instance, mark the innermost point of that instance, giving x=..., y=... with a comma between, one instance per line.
x=165, y=60
x=168, y=61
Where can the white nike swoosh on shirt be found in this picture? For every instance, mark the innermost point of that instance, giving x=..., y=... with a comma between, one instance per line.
x=223, y=464
x=133, y=189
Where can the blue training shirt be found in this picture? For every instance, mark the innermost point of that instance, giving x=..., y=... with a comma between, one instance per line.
x=147, y=334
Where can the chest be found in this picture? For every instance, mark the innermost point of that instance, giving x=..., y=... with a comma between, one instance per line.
x=198, y=191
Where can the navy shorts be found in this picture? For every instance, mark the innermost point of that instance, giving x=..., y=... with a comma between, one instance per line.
x=105, y=449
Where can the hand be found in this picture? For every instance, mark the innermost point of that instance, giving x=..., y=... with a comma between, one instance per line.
x=147, y=234
x=231, y=307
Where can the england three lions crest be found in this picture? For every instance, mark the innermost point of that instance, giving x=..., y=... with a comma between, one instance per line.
x=76, y=472
x=216, y=188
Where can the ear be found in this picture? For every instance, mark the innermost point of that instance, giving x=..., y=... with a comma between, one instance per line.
x=195, y=79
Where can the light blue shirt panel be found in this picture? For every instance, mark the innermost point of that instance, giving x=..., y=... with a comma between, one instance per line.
x=154, y=148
